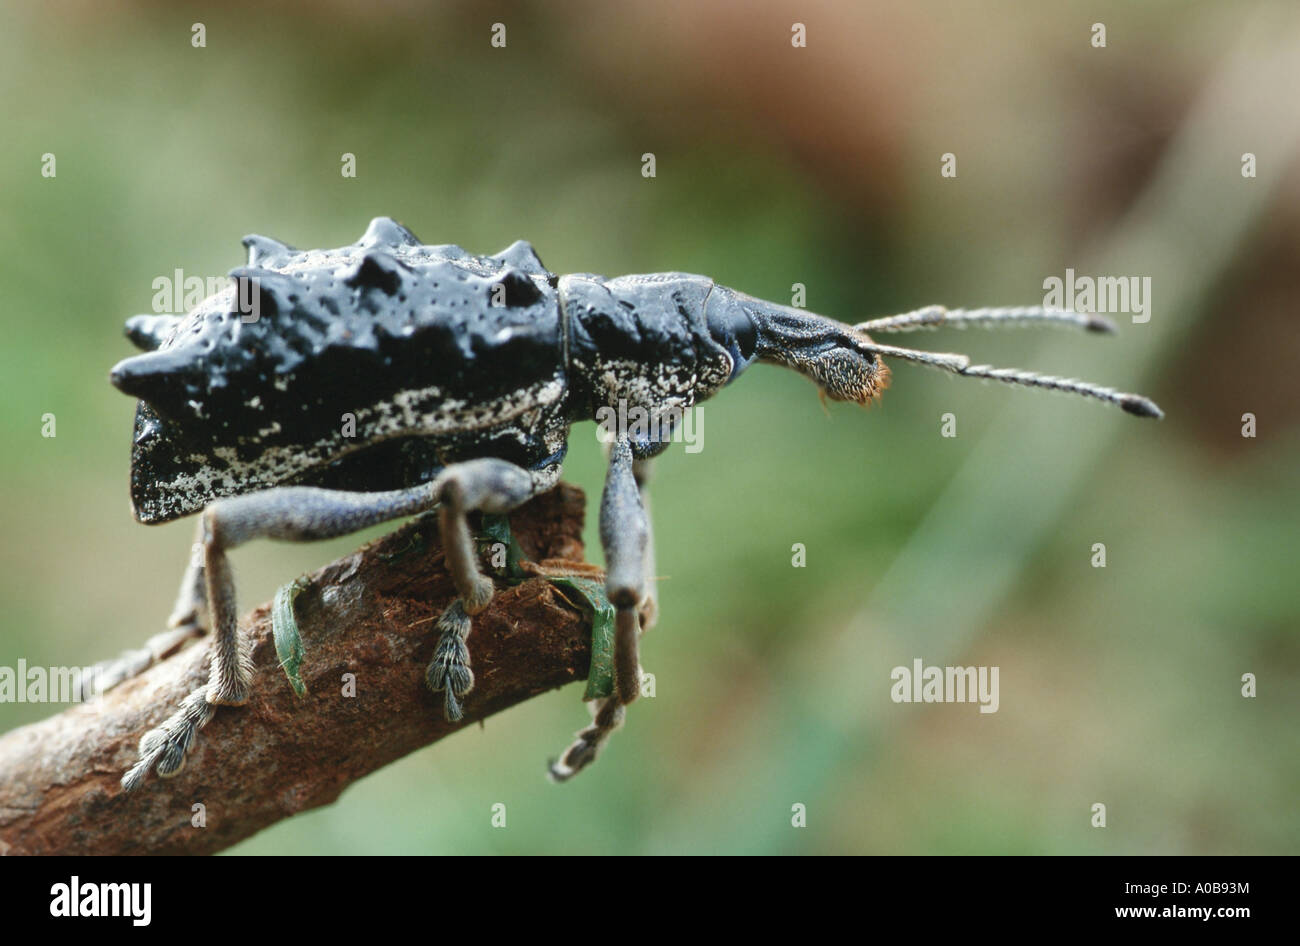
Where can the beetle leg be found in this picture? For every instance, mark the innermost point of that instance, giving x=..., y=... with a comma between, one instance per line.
x=625, y=535
x=607, y=716
x=650, y=604
x=293, y=513
x=485, y=485
x=107, y=674
x=192, y=602
x=449, y=670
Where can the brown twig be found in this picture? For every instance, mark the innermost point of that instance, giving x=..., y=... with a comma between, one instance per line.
x=368, y=615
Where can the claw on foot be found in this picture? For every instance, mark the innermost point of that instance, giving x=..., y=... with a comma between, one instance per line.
x=609, y=715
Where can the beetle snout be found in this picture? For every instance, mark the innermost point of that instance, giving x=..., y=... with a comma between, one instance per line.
x=846, y=374
x=827, y=352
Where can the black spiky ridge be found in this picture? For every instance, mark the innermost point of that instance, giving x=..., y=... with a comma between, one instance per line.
x=384, y=325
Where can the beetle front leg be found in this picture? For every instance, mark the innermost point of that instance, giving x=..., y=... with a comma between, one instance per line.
x=625, y=536
x=298, y=514
x=486, y=485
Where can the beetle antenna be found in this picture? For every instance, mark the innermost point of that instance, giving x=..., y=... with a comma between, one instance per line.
x=935, y=316
x=948, y=361
x=960, y=365
x=1133, y=403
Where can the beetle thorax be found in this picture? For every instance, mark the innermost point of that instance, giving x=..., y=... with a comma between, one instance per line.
x=640, y=346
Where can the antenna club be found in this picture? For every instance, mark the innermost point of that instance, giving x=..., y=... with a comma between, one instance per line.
x=1141, y=406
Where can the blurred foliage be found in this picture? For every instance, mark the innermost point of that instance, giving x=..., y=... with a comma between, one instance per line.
x=1118, y=685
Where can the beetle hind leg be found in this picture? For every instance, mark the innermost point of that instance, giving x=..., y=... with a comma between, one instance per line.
x=293, y=513
x=484, y=485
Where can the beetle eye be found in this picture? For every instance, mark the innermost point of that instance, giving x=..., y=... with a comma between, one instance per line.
x=746, y=335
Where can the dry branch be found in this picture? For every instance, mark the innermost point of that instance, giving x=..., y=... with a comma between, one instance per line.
x=369, y=614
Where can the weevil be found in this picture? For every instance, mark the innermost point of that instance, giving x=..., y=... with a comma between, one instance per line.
x=386, y=378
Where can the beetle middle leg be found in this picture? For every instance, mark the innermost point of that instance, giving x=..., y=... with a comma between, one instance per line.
x=625, y=535
x=485, y=485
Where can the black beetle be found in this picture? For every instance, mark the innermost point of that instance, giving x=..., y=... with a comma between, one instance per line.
x=329, y=390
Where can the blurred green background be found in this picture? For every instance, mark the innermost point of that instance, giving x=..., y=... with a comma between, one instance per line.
x=775, y=166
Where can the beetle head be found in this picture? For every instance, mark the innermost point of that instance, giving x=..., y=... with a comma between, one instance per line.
x=844, y=361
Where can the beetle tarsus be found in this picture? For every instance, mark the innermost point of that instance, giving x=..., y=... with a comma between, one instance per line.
x=164, y=749
x=449, y=671
x=607, y=715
